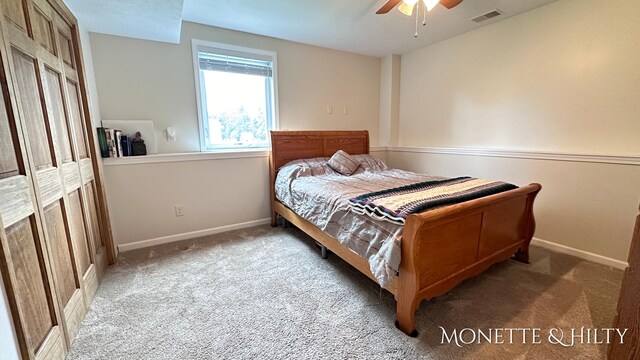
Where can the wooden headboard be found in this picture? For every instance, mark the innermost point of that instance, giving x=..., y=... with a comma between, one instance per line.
x=293, y=145
x=287, y=146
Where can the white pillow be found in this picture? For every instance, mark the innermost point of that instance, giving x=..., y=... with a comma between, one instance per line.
x=343, y=163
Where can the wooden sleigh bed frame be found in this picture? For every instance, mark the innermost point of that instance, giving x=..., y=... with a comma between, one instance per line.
x=440, y=248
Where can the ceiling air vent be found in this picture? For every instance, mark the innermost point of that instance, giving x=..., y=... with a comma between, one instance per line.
x=487, y=16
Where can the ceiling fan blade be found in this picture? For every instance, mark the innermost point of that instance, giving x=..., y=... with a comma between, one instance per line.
x=450, y=3
x=388, y=6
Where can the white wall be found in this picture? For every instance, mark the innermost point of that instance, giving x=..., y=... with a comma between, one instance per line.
x=214, y=193
x=147, y=80
x=586, y=206
x=560, y=78
x=139, y=79
x=563, y=77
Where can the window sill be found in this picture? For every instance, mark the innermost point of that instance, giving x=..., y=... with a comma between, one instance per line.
x=191, y=156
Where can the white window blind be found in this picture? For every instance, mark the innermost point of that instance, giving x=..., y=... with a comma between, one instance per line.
x=232, y=64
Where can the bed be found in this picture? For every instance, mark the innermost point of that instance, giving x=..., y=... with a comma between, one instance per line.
x=438, y=248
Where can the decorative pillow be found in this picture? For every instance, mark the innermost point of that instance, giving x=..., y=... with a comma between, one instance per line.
x=343, y=163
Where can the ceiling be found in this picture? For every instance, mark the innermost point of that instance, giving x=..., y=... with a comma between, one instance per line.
x=338, y=24
x=159, y=20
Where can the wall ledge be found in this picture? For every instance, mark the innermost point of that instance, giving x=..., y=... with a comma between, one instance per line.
x=524, y=154
x=197, y=156
x=178, y=157
x=518, y=154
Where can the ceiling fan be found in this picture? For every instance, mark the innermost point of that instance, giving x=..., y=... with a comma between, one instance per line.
x=406, y=6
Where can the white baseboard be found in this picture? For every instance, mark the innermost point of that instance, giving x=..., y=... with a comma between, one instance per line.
x=585, y=255
x=189, y=235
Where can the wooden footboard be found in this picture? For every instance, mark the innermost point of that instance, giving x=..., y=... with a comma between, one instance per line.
x=440, y=248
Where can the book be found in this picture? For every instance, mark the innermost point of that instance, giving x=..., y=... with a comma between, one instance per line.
x=107, y=132
x=102, y=140
x=111, y=136
x=114, y=143
x=125, y=144
x=118, y=145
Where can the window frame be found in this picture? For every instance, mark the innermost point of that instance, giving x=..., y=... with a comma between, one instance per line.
x=271, y=107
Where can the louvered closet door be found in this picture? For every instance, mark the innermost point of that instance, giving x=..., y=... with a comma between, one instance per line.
x=45, y=83
x=24, y=262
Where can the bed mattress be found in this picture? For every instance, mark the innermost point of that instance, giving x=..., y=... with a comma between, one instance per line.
x=321, y=196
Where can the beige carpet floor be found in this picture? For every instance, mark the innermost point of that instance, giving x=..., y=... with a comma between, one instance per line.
x=265, y=293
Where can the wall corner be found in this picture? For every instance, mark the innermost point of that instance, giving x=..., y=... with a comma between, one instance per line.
x=389, y=100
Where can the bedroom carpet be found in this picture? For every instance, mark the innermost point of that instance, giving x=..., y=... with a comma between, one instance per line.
x=265, y=293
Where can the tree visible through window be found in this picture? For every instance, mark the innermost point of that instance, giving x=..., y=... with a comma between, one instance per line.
x=236, y=98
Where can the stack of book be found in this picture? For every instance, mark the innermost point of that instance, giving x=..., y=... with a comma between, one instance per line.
x=113, y=143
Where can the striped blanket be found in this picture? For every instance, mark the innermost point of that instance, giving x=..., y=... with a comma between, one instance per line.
x=394, y=205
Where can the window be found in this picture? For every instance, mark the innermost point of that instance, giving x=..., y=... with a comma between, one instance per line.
x=236, y=90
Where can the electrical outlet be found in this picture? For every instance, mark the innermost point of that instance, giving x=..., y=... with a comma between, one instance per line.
x=179, y=210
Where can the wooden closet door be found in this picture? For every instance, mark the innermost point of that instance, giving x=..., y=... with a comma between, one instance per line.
x=78, y=173
x=97, y=245
x=41, y=72
x=65, y=36
x=24, y=262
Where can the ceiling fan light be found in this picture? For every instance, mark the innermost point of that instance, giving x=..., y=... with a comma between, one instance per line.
x=430, y=4
x=406, y=8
